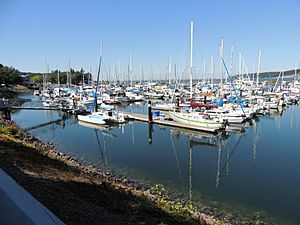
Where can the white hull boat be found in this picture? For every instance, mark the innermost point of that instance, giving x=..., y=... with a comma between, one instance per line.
x=93, y=118
x=196, y=119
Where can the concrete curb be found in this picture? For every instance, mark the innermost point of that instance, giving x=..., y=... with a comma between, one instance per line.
x=17, y=206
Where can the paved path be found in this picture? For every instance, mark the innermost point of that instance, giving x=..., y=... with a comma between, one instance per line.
x=17, y=206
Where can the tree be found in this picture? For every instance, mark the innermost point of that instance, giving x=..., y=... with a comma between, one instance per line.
x=9, y=75
x=36, y=79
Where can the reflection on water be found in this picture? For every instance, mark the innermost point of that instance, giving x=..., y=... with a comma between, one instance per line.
x=254, y=166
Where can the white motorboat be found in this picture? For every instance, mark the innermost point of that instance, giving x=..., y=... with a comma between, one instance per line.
x=94, y=118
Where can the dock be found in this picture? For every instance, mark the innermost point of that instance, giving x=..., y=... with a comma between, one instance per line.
x=157, y=120
x=162, y=108
x=6, y=106
x=33, y=108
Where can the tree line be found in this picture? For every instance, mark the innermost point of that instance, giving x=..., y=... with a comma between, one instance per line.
x=9, y=75
x=75, y=77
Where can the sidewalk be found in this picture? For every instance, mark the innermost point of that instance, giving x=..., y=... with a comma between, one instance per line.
x=17, y=206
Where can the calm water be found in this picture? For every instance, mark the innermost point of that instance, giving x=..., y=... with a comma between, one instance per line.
x=252, y=169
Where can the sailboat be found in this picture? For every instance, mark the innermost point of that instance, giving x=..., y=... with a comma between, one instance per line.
x=94, y=118
x=196, y=118
x=106, y=115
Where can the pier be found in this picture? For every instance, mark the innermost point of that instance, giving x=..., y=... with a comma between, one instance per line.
x=6, y=107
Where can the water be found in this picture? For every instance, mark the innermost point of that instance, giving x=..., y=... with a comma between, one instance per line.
x=255, y=169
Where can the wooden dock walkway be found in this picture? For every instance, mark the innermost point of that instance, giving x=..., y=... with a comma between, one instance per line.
x=157, y=120
x=161, y=108
x=33, y=108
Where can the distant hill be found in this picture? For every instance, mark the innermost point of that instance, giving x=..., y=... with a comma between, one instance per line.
x=276, y=73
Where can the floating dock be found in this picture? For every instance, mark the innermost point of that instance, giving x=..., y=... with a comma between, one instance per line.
x=34, y=108
x=164, y=108
x=157, y=120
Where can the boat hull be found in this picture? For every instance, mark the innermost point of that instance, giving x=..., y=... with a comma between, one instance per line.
x=195, y=120
x=91, y=119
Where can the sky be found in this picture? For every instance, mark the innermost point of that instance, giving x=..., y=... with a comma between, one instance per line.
x=36, y=32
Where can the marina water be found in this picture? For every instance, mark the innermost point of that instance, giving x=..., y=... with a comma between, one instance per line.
x=252, y=169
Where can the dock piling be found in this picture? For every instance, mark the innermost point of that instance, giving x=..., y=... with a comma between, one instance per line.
x=150, y=130
x=5, y=107
x=150, y=116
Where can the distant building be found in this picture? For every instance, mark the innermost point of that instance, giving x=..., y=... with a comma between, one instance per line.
x=26, y=82
x=25, y=78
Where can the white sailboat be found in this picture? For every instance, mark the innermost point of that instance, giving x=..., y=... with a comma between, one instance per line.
x=195, y=118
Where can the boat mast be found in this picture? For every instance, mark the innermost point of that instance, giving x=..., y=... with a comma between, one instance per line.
x=169, y=71
x=212, y=70
x=70, y=75
x=98, y=75
x=58, y=83
x=130, y=69
x=240, y=65
x=258, y=68
x=191, y=62
x=204, y=70
x=231, y=62
x=222, y=57
x=296, y=65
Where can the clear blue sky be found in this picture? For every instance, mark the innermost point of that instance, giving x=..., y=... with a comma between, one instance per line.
x=33, y=31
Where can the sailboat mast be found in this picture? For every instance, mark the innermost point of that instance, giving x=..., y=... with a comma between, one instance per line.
x=58, y=83
x=97, y=83
x=169, y=71
x=240, y=65
x=70, y=75
x=295, y=71
x=204, y=70
x=222, y=57
x=231, y=62
x=130, y=69
x=191, y=62
x=258, y=69
x=212, y=69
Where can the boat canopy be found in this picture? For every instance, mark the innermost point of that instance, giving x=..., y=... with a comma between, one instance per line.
x=195, y=104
